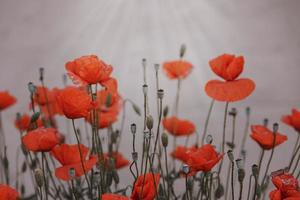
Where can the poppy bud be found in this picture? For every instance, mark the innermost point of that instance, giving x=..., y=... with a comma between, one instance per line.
x=149, y=122
x=166, y=111
x=72, y=172
x=108, y=100
x=42, y=70
x=255, y=170
x=145, y=89
x=233, y=112
x=266, y=121
x=134, y=156
x=136, y=109
x=185, y=169
x=38, y=175
x=241, y=175
x=164, y=139
x=239, y=163
x=31, y=88
x=160, y=93
x=156, y=67
x=248, y=110
x=133, y=128
x=209, y=139
x=230, y=155
x=182, y=50
x=275, y=127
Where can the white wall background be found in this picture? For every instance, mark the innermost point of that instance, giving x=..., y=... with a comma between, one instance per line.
x=47, y=34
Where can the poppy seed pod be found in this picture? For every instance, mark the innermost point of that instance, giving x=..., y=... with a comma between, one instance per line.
x=134, y=156
x=149, y=122
x=133, y=128
x=72, y=172
x=166, y=111
x=156, y=67
x=230, y=155
x=164, y=139
x=145, y=89
x=209, y=139
x=241, y=175
x=255, y=170
x=38, y=175
x=182, y=50
x=41, y=70
x=275, y=127
x=185, y=169
x=266, y=122
x=160, y=93
x=31, y=88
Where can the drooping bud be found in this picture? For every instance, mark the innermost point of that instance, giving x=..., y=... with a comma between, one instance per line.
x=31, y=88
x=38, y=175
x=160, y=93
x=182, y=50
x=149, y=122
x=145, y=90
x=275, y=127
x=42, y=70
x=255, y=170
x=266, y=122
x=166, y=111
x=164, y=139
x=230, y=155
x=133, y=128
x=241, y=175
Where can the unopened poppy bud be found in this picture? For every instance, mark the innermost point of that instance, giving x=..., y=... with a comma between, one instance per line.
x=160, y=93
x=38, y=175
x=108, y=100
x=209, y=139
x=248, y=110
x=166, y=111
x=233, y=112
x=72, y=172
x=182, y=50
x=241, y=175
x=133, y=128
x=239, y=163
x=156, y=67
x=42, y=70
x=145, y=89
x=230, y=155
x=164, y=139
x=255, y=170
x=185, y=169
x=275, y=127
x=31, y=88
x=266, y=122
x=136, y=109
x=149, y=122
x=134, y=156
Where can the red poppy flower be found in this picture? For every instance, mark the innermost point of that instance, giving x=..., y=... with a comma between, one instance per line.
x=6, y=100
x=293, y=120
x=287, y=187
x=8, y=193
x=23, y=123
x=88, y=70
x=181, y=153
x=177, y=69
x=107, y=113
x=41, y=139
x=69, y=158
x=232, y=89
x=178, y=127
x=113, y=197
x=204, y=158
x=264, y=137
x=149, y=187
x=74, y=102
x=120, y=161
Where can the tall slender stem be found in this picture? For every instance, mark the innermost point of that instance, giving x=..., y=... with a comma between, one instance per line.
x=158, y=128
x=207, y=121
x=223, y=135
x=167, y=171
x=249, y=187
x=176, y=108
x=44, y=176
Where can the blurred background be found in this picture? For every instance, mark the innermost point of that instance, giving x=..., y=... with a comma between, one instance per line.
x=47, y=34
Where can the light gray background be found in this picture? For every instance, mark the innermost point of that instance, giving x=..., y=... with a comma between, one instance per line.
x=47, y=34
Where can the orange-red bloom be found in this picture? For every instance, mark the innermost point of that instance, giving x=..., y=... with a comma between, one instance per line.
x=43, y=95
x=109, y=196
x=287, y=188
x=88, y=70
x=150, y=185
x=181, y=153
x=177, y=69
x=74, y=102
x=293, y=120
x=6, y=100
x=119, y=159
x=264, y=137
x=23, y=123
x=229, y=67
x=178, y=127
x=69, y=158
x=204, y=158
x=107, y=111
x=41, y=139
x=8, y=193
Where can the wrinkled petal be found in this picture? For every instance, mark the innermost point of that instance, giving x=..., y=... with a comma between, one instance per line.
x=177, y=69
x=178, y=127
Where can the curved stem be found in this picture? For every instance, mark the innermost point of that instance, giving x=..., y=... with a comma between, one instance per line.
x=270, y=159
x=207, y=121
x=249, y=187
x=158, y=129
x=167, y=171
